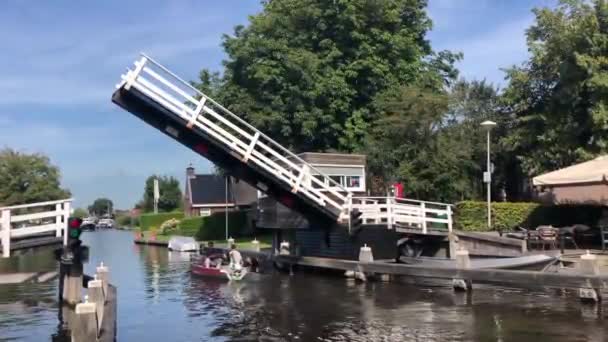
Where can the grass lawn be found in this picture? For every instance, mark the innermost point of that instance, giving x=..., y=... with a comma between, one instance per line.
x=241, y=243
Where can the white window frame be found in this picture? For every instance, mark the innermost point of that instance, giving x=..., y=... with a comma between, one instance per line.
x=360, y=188
x=204, y=212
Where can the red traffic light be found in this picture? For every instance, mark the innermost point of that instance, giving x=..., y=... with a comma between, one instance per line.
x=74, y=222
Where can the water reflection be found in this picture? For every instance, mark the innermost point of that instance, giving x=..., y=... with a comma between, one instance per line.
x=159, y=300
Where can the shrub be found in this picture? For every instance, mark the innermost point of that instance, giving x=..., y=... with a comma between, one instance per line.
x=471, y=215
x=214, y=227
x=148, y=221
x=124, y=220
x=169, y=226
x=191, y=225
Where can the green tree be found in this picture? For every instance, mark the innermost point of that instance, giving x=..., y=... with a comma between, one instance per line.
x=80, y=213
x=559, y=97
x=28, y=178
x=307, y=71
x=101, y=206
x=431, y=140
x=169, y=191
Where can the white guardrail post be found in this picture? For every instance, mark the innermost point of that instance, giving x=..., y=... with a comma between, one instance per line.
x=389, y=212
x=449, y=214
x=5, y=233
x=423, y=217
x=64, y=225
x=58, y=219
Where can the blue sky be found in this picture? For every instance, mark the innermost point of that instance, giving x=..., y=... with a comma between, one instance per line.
x=61, y=59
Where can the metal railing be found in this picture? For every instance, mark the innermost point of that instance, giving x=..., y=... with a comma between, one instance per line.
x=398, y=212
x=31, y=219
x=250, y=145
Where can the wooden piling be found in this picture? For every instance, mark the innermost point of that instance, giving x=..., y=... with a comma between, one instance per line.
x=85, y=328
x=72, y=284
x=589, y=265
x=103, y=274
x=97, y=296
x=365, y=255
x=256, y=245
x=463, y=262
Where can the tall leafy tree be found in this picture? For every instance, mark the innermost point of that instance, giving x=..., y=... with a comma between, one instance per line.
x=307, y=71
x=169, y=191
x=431, y=141
x=102, y=206
x=28, y=178
x=80, y=213
x=559, y=97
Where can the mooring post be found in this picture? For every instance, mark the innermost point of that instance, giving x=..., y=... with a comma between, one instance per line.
x=284, y=250
x=103, y=274
x=256, y=245
x=589, y=265
x=85, y=327
x=230, y=242
x=452, y=244
x=365, y=255
x=97, y=296
x=72, y=283
x=463, y=262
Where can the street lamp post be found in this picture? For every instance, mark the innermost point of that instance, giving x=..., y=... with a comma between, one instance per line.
x=488, y=125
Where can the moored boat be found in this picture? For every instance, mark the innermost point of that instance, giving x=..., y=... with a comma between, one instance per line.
x=529, y=262
x=183, y=244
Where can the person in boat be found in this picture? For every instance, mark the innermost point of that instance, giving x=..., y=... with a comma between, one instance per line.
x=236, y=259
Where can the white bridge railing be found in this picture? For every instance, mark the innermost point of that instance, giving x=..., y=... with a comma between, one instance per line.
x=197, y=110
x=31, y=219
x=399, y=213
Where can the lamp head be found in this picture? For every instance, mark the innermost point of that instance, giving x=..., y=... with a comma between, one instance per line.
x=488, y=125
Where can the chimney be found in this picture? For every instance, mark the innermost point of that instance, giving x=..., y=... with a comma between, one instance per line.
x=190, y=171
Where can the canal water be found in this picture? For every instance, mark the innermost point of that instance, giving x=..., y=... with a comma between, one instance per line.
x=159, y=300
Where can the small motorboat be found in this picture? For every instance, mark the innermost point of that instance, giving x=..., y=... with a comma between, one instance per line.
x=223, y=272
x=529, y=262
x=183, y=244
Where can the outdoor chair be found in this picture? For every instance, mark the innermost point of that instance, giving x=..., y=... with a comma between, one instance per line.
x=531, y=237
x=547, y=236
x=567, y=235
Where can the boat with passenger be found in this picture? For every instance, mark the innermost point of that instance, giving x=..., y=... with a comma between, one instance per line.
x=213, y=266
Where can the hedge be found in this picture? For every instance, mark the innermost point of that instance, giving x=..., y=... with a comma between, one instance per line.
x=148, y=221
x=213, y=227
x=471, y=215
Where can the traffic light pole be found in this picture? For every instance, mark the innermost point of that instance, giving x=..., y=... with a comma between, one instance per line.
x=71, y=258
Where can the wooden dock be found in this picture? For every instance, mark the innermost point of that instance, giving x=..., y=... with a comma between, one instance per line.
x=151, y=242
x=25, y=277
x=489, y=276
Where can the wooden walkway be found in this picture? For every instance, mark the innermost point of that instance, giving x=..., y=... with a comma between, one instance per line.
x=24, y=277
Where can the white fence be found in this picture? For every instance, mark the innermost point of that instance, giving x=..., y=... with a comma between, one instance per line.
x=198, y=111
x=404, y=213
x=31, y=219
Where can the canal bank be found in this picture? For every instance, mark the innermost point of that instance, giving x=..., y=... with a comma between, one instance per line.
x=160, y=301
